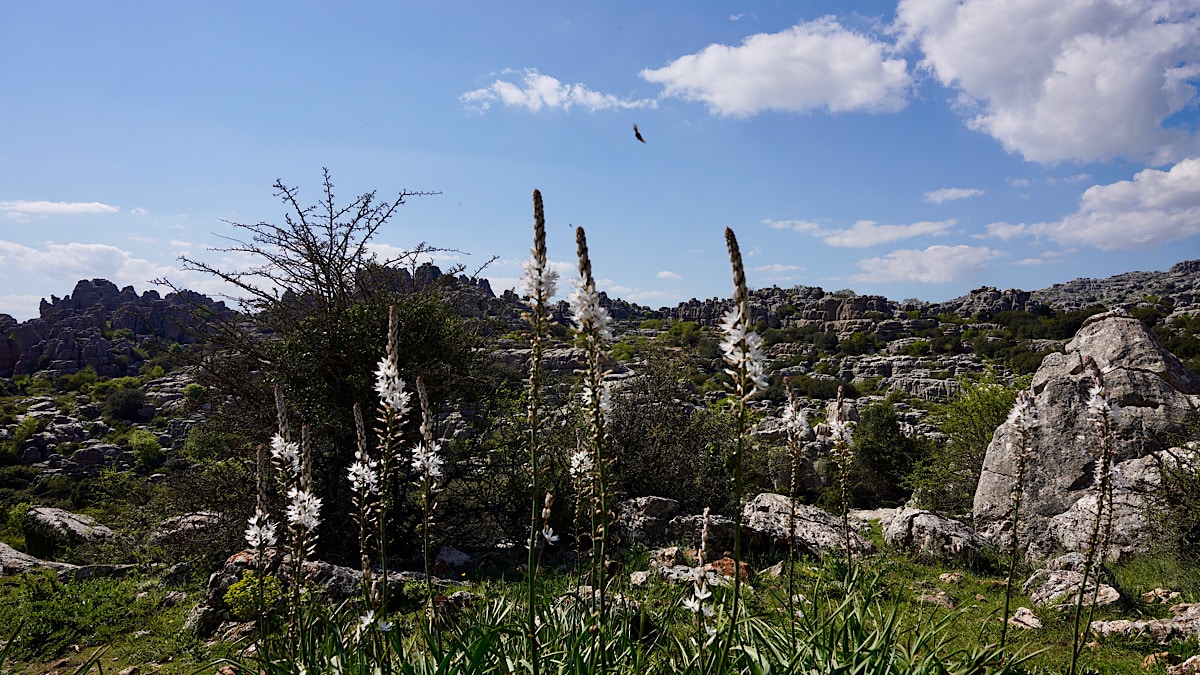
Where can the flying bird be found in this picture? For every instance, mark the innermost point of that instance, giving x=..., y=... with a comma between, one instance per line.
x=638, y=134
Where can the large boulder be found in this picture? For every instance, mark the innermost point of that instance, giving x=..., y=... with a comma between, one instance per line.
x=1156, y=395
x=927, y=535
x=765, y=520
x=13, y=562
x=643, y=520
x=48, y=531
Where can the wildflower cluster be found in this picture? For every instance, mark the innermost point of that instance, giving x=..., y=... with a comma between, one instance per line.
x=261, y=533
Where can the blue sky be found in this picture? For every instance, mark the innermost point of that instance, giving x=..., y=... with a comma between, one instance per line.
x=912, y=149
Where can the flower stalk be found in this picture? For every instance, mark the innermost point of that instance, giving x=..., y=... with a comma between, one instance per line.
x=744, y=357
x=592, y=321
x=1024, y=418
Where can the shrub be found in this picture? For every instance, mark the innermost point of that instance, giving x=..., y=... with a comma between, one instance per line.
x=125, y=404
x=946, y=479
x=243, y=595
x=194, y=392
x=145, y=445
x=665, y=448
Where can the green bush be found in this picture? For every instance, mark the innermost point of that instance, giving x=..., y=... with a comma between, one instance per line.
x=26, y=429
x=125, y=404
x=145, y=445
x=244, y=599
x=946, y=479
x=194, y=392
x=664, y=448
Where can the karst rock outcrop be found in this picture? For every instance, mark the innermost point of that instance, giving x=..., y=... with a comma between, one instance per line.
x=1155, y=394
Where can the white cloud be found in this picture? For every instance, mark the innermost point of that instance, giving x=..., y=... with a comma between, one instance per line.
x=865, y=233
x=951, y=194
x=813, y=65
x=778, y=268
x=1154, y=208
x=537, y=91
x=1030, y=261
x=138, y=211
x=935, y=265
x=667, y=274
x=22, y=209
x=20, y=307
x=1002, y=230
x=80, y=261
x=1080, y=80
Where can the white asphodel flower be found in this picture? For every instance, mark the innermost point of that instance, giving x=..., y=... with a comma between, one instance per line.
x=390, y=387
x=426, y=460
x=590, y=317
x=795, y=417
x=286, y=454
x=743, y=351
x=1024, y=414
x=304, y=509
x=549, y=536
x=538, y=279
x=261, y=533
x=581, y=463
x=363, y=476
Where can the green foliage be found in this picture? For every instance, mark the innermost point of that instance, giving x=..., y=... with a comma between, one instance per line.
x=152, y=371
x=945, y=481
x=883, y=456
x=918, y=348
x=206, y=443
x=194, y=392
x=55, y=615
x=101, y=390
x=247, y=597
x=125, y=404
x=858, y=344
x=81, y=381
x=27, y=428
x=662, y=447
x=145, y=445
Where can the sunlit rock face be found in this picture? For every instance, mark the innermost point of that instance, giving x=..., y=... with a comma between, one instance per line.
x=1155, y=394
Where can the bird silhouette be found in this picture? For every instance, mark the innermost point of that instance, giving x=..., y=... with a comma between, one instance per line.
x=638, y=134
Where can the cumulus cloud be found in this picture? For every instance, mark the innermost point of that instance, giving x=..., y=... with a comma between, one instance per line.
x=20, y=307
x=810, y=66
x=951, y=194
x=81, y=261
x=1081, y=80
x=536, y=91
x=934, y=265
x=59, y=266
x=667, y=274
x=865, y=233
x=1154, y=208
x=22, y=209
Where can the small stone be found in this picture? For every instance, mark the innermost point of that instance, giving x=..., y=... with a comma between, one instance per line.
x=639, y=579
x=725, y=567
x=1025, y=618
x=950, y=578
x=941, y=599
x=774, y=571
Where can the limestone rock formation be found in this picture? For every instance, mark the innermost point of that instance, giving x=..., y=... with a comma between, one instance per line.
x=1156, y=395
x=928, y=535
x=765, y=519
x=49, y=530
